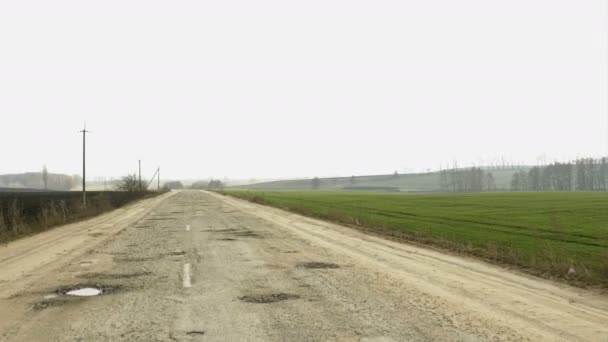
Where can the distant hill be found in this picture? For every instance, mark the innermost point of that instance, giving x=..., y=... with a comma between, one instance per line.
x=33, y=181
x=411, y=182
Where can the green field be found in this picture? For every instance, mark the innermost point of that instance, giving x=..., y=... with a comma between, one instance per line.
x=544, y=232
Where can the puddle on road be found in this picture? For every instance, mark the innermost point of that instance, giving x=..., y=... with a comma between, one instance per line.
x=87, y=290
x=84, y=292
x=71, y=294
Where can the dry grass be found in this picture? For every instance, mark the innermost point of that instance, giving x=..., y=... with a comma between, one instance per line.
x=20, y=218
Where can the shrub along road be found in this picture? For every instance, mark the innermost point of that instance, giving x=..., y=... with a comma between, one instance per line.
x=198, y=266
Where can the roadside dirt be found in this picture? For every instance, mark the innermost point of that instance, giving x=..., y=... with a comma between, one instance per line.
x=195, y=266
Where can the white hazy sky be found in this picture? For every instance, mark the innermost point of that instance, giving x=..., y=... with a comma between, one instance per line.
x=299, y=88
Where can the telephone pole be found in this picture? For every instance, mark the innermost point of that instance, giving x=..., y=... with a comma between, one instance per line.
x=140, y=175
x=84, y=165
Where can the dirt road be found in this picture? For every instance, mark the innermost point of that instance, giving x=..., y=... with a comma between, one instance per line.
x=194, y=266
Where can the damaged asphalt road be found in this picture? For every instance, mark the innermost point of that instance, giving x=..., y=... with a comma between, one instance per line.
x=197, y=266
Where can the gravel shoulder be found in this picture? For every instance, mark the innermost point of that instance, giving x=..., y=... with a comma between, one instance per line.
x=197, y=266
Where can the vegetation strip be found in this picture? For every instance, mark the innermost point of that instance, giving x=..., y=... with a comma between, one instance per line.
x=556, y=234
x=26, y=213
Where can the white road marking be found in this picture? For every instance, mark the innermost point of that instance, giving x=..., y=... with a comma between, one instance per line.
x=187, y=282
x=188, y=228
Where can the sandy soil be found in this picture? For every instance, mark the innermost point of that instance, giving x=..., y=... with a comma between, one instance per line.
x=195, y=266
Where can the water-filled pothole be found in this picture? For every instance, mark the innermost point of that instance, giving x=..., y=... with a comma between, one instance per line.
x=315, y=264
x=87, y=290
x=84, y=292
x=268, y=298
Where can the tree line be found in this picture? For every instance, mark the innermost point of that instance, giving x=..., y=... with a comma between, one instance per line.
x=585, y=174
x=472, y=179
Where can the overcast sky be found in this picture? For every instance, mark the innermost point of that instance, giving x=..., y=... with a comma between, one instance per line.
x=299, y=88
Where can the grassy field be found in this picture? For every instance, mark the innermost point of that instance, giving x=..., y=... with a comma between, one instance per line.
x=546, y=232
x=28, y=212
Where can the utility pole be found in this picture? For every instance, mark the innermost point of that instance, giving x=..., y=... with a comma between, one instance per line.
x=84, y=165
x=140, y=176
x=157, y=175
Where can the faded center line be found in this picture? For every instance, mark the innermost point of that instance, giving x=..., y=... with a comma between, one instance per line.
x=186, y=279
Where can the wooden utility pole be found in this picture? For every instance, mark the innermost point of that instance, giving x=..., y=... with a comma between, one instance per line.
x=140, y=189
x=84, y=165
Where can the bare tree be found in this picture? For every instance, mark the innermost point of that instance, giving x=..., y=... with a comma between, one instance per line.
x=215, y=184
x=45, y=177
x=131, y=183
x=315, y=183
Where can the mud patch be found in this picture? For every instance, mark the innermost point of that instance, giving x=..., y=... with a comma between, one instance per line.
x=48, y=303
x=131, y=259
x=227, y=230
x=177, y=253
x=247, y=233
x=317, y=265
x=195, y=332
x=268, y=298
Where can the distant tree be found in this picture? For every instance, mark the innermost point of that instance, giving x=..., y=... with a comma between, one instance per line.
x=215, y=184
x=200, y=185
x=45, y=177
x=352, y=180
x=396, y=174
x=173, y=185
x=534, y=179
x=490, y=182
x=443, y=180
x=315, y=183
x=130, y=183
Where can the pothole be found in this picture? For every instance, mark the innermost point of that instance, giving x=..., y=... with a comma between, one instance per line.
x=87, y=290
x=131, y=259
x=195, y=332
x=247, y=233
x=114, y=275
x=227, y=239
x=84, y=292
x=268, y=298
x=315, y=264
